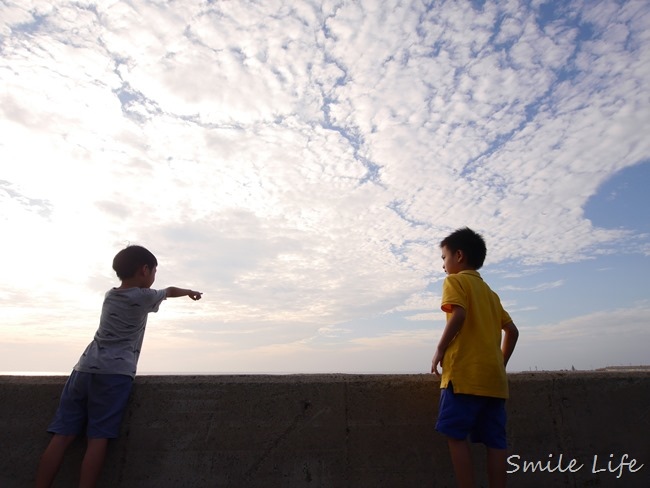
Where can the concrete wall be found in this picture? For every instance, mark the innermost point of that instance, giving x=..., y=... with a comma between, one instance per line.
x=336, y=431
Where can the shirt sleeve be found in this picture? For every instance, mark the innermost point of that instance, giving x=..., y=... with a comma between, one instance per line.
x=505, y=316
x=453, y=294
x=151, y=299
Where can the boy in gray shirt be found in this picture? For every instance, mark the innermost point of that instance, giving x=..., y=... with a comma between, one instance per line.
x=96, y=393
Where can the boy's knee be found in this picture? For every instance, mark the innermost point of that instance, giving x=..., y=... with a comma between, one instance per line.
x=63, y=439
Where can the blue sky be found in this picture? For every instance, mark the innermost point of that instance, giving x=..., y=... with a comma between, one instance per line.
x=299, y=162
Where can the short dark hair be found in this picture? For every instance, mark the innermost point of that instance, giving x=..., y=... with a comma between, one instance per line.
x=127, y=262
x=468, y=241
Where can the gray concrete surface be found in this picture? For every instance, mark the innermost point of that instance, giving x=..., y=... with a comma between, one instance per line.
x=337, y=431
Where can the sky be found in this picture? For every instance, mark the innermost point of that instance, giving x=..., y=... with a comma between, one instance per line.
x=299, y=163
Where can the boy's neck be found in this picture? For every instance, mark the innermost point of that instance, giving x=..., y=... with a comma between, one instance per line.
x=465, y=268
x=131, y=283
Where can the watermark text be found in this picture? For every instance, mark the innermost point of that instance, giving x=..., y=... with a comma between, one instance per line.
x=617, y=465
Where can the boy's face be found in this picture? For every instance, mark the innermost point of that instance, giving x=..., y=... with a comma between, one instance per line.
x=452, y=262
x=149, y=276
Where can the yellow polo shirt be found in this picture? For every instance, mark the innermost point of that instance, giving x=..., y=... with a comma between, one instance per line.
x=473, y=362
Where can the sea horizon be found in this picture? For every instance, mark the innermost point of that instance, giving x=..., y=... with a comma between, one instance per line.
x=615, y=368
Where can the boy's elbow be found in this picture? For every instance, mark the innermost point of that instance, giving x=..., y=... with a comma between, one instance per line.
x=515, y=335
x=511, y=329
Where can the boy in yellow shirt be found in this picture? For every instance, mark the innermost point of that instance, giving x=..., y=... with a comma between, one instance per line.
x=473, y=358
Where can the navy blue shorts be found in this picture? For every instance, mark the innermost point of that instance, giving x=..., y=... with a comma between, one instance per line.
x=481, y=418
x=92, y=401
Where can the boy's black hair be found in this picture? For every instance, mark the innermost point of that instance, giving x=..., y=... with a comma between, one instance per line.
x=468, y=241
x=127, y=262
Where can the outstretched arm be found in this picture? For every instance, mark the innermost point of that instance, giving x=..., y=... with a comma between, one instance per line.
x=454, y=324
x=173, y=292
x=511, y=334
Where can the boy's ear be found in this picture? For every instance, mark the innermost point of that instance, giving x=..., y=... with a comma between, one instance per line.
x=460, y=256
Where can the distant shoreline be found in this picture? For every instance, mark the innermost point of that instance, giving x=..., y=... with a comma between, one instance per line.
x=607, y=369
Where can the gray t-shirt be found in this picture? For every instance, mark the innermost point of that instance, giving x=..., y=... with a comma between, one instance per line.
x=116, y=346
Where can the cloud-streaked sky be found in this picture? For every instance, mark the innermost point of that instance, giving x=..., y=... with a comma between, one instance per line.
x=299, y=163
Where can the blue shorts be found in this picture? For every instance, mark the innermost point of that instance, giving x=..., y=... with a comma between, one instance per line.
x=92, y=401
x=481, y=418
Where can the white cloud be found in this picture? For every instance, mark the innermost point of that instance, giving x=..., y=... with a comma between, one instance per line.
x=428, y=317
x=605, y=338
x=300, y=162
x=602, y=324
x=536, y=288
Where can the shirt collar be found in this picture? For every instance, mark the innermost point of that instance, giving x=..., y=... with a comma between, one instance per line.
x=471, y=272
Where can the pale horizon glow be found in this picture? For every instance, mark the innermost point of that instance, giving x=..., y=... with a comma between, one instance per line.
x=299, y=162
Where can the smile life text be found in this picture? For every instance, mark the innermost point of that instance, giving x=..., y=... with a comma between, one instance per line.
x=615, y=465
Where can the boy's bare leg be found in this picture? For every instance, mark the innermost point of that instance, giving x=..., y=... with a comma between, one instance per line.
x=92, y=463
x=51, y=459
x=496, y=466
x=461, y=458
